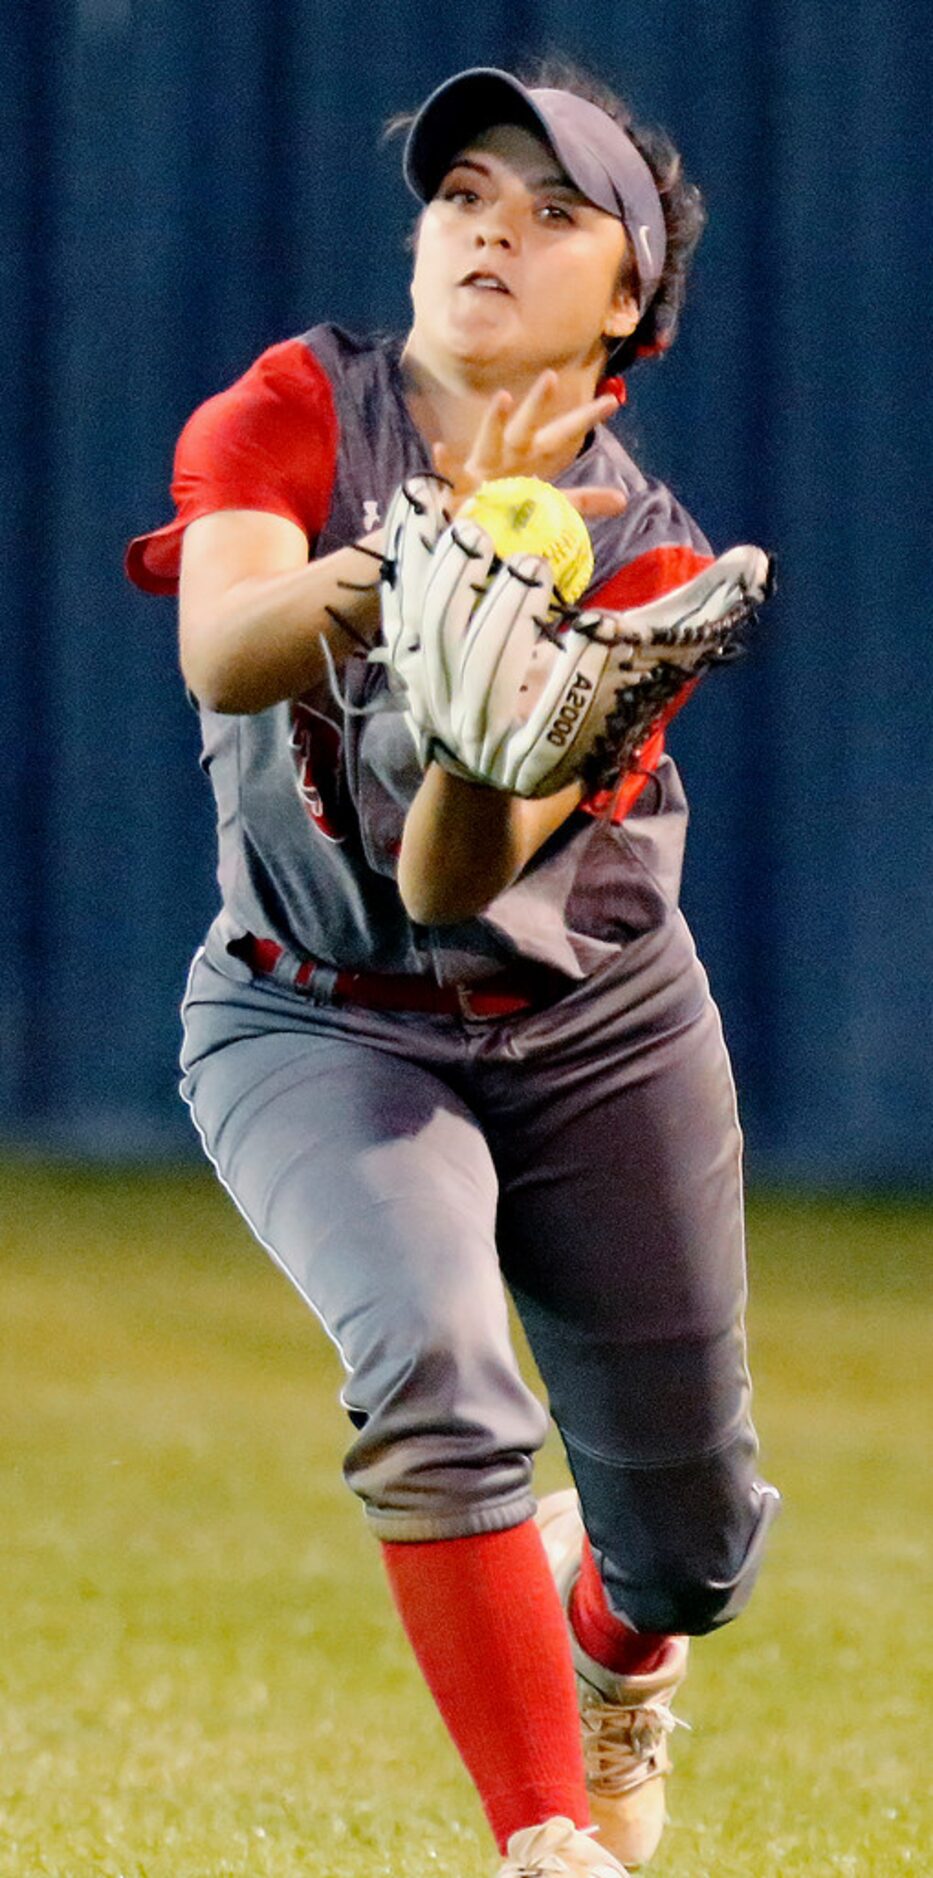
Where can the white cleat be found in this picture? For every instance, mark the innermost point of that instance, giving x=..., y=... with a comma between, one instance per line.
x=625, y=1719
x=558, y=1849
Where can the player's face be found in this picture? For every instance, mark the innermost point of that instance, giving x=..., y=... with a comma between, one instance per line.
x=515, y=270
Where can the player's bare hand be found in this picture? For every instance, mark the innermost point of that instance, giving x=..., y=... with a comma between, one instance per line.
x=530, y=439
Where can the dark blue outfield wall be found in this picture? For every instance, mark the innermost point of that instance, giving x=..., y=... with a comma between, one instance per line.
x=195, y=182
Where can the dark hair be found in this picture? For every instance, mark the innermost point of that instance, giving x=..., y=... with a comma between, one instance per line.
x=681, y=202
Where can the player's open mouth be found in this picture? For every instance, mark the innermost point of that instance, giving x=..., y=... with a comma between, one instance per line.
x=486, y=282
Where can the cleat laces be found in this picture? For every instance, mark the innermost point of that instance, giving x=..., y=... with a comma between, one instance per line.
x=622, y=1747
x=542, y=1852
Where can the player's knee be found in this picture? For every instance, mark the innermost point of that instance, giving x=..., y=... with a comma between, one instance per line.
x=679, y=1605
x=445, y=1437
x=703, y=1586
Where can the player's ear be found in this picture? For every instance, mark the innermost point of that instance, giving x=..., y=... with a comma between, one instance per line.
x=623, y=315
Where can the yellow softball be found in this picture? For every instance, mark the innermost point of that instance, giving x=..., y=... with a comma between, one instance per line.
x=522, y=515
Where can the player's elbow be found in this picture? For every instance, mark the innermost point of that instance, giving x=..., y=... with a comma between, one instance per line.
x=215, y=693
x=204, y=687
x=220, y=681
x=437, y=898
x=206, y=675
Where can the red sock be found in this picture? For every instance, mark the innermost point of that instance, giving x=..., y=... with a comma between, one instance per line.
x=486, y=1625
x=602, y=1634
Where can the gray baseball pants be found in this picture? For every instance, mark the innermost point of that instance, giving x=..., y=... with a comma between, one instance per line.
x=402, y=1169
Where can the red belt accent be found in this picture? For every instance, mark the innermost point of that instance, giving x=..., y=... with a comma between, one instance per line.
x=393, y=991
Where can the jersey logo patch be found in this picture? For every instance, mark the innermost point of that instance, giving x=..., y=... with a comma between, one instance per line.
x=316, y=745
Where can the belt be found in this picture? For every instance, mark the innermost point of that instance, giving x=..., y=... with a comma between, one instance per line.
x=501, y=996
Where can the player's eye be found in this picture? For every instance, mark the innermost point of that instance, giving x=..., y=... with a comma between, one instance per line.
x=458, y=192
x=556, y=213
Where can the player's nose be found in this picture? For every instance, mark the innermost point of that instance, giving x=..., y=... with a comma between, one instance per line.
x=496, y=225
x=495, y=234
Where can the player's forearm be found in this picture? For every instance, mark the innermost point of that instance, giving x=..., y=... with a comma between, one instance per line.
x=460, y=847
x=261, y=641
x=464, y=843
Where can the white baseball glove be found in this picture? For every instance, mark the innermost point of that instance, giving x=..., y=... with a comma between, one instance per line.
x=505, y=687
x=415, y=520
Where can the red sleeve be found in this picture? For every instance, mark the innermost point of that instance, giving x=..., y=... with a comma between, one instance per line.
x=646, y=578
x=269, y=442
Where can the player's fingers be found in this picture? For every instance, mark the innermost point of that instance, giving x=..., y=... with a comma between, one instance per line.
x=487, y=451
x=574, y=424
x=454, y=472
x=527, y=419
x=445, y=463
x=594, y=500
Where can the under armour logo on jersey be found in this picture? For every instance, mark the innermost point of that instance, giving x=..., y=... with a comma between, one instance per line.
x=371, y=517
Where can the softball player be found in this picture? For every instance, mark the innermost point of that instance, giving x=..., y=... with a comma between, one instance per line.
x=441, y=1040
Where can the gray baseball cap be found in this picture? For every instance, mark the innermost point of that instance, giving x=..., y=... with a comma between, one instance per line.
x=596, y=153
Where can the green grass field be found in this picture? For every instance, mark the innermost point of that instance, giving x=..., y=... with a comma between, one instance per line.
x=201, y=1675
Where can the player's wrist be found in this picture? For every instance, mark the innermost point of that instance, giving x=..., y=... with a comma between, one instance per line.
x=458, y=776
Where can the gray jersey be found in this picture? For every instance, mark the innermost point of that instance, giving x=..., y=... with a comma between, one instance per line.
x=398, y=1165
x=312, y=794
